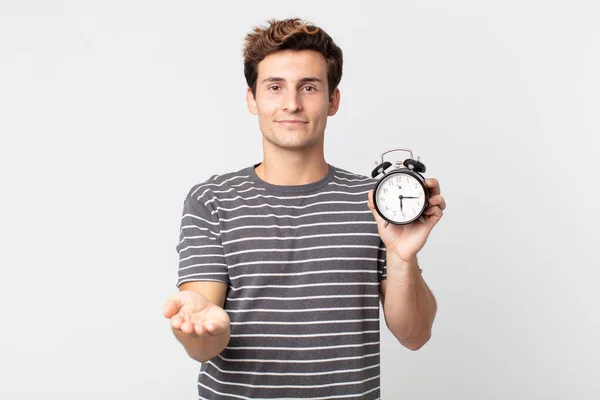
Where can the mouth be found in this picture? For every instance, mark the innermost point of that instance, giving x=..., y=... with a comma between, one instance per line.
x=292, y=122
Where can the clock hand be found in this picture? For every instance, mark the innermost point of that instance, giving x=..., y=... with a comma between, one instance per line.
x=401, y=197
x=409, y=197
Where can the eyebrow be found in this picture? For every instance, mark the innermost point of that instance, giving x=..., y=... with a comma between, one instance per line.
x=302, y=80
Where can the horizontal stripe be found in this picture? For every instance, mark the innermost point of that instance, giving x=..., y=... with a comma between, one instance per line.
x=305, y=336
x=200, y=228
x=304, y=215
x=343, y=371
x=203, y=274
x=303, y=348
x=279, y=227
x=202, y=265
x=201, y=247
x=306, y=285
x=290, y=361
x=227, y=242
x=222, y=393
x=302, y=297
x=344, y=172
x=348, y=321
x=221, y=184
x=233, y=188
x=287, y=198
x=330, y=247
x=199, y=219
x=301, y=310
x=354, y=180
x=188, y=238
x=313, y=398
x=287, y=206
x=351, y=186
x=202, y=256
x=336, y=271
x=305, y=261
x=291, y=386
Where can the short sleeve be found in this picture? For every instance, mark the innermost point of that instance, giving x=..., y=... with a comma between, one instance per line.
x=382, y=262
x=201, y=256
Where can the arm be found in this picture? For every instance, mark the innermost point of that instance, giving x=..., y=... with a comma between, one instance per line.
x=196, y=311
x=410, y=307
x=198, y=319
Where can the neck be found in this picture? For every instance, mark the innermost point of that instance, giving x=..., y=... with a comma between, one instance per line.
x=291, y=168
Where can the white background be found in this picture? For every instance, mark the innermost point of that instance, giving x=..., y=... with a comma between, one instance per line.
x=111, y=110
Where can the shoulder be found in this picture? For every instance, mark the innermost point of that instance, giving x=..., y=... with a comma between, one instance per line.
x=347, y=178
x=219, y=185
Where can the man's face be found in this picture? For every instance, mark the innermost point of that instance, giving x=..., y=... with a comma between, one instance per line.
x=292, y=99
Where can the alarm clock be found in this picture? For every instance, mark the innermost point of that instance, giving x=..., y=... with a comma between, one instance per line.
x=400, y=195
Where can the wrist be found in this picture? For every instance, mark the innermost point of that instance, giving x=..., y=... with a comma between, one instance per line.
x=397, y=262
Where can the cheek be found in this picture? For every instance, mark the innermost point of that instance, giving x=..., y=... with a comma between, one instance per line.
x=266, y=110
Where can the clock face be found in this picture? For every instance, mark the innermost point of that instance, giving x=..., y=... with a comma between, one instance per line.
x=400, y=197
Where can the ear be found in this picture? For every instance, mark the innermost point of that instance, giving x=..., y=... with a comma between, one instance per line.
x=251, y=102
x=334, y=103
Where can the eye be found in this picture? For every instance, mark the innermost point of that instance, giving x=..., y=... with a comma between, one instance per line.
x=273, y=88
x=309, y=88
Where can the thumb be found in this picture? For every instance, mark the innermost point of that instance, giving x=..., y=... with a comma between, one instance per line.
x=370, y=202
x=172, y=305
x=372, y=208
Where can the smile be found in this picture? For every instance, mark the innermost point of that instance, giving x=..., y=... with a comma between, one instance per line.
x=292, y=123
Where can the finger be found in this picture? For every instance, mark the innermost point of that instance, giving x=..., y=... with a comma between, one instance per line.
x=434, y=217
x=432, y=220
x=376, y=215
x=172, y=306
x=439, y=201
x=187, y=327
x=214, y=328
x=433, y=185
x=199, y=329
x=433, y=210
x=370, y=202
x=177, y=321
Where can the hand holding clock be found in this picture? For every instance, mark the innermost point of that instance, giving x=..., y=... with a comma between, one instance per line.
x=408, y=240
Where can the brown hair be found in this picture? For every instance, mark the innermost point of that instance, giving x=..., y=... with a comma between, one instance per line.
x=290, y=34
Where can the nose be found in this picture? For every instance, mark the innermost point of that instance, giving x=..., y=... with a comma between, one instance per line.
x=291, y=102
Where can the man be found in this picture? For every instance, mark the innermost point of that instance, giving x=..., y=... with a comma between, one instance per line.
x=283, y=263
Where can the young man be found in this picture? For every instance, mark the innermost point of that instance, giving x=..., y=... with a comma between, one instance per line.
x=283, y=263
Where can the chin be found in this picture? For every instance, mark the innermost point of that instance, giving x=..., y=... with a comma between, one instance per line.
x=293, y=146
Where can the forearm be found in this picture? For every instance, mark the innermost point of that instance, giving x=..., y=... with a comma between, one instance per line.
x=202, y=348
x=409, y=306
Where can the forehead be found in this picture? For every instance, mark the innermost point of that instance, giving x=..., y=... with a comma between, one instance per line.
x=292, y=65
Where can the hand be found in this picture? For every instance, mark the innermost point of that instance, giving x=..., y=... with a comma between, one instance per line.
x=193, y=314
x=408, y=240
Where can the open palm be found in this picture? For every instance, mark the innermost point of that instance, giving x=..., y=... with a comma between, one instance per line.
x=193, y=313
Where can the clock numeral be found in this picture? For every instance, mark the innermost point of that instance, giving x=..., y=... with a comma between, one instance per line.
x=385, y=190
x=382, y=199
x=403, y=214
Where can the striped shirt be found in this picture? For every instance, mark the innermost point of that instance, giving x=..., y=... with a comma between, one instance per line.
x=303, y=266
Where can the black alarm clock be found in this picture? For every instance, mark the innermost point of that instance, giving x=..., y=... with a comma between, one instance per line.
x=400, y=195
